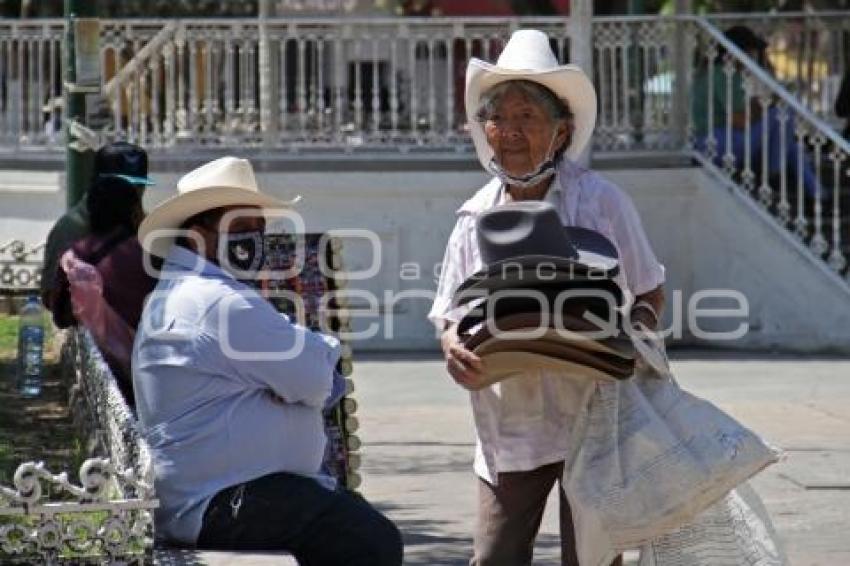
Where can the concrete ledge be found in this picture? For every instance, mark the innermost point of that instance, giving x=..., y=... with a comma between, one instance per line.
x=193, y=557
x=30, y=181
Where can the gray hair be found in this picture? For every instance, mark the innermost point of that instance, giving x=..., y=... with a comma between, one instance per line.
x=556, y=108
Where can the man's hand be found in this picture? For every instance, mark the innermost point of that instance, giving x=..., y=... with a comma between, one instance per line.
x=464, y=366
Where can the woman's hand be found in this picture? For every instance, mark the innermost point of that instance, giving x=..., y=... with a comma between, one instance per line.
x=644, y=318
x=647, y=309
x=463, y=365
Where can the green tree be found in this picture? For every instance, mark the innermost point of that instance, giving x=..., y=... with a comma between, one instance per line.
x=134, y=8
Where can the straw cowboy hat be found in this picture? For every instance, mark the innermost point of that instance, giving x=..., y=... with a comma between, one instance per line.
x=527, y=56
x=228, y=181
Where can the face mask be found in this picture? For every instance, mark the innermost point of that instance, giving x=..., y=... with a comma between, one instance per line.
x=545, y=170
x=245, y=253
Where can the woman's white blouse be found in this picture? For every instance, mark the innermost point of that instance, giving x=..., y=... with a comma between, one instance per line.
x=523, y=424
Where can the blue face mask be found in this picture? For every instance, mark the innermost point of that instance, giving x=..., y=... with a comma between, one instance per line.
x=543, y=171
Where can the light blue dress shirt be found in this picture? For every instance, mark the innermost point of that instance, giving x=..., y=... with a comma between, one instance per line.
x=227, y=390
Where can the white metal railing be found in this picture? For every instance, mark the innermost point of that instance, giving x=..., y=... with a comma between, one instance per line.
x=634, y=70
x=382, y=84
x=31, y=83
x=808, y=51
x=637, y=60
x=762, y=138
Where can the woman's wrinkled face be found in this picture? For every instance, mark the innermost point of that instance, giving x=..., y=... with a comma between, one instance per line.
x=521, y=132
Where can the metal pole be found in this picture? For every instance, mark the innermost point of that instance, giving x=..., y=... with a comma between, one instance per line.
x=268, y=77
x=78, y=165
x=580, y=29
x=681, y=62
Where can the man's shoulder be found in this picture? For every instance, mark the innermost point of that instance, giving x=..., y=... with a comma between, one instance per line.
x=186, y=295
x=71, y=226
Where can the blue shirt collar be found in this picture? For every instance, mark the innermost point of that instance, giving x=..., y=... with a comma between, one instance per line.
x=182, y=259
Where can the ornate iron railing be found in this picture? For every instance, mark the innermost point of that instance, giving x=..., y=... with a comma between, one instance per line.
x=107, y=517
x=20, y=267
x=30, y=83
x=96, y=524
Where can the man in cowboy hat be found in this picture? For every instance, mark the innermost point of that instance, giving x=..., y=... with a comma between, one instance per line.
x=530, y=119
x=119, y=159
x=230, y=393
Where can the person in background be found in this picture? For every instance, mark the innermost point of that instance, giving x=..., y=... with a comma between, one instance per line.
x=101, y=280
x=119, y=159
x=756, y=48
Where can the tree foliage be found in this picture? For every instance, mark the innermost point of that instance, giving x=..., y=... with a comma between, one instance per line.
x=133, y=8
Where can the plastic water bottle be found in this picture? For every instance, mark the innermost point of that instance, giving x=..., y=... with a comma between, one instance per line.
x=31, y=348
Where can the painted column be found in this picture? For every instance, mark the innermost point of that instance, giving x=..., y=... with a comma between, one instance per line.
x=580, y=27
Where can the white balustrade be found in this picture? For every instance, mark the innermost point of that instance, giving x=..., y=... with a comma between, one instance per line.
x=345, y=84
x=30, y=82
x=772, y=146
x=386, y=84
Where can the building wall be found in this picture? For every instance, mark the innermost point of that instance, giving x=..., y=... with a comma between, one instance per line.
x=708, y=237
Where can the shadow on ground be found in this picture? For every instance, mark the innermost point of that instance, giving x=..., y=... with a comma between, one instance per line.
x=433, y=542
x=434, y=459
x=39, y=429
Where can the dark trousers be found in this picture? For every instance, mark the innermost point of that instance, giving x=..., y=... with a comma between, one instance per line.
x=509, y=516
x=288, y=512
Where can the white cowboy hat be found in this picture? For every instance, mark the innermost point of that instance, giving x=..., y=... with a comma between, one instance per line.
x=227, y=181
x=527, y=56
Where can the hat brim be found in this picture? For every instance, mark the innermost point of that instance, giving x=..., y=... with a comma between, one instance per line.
x=499, y=366
x=567, y=82
x=596, y=259
x=574, y=331
x=525, y=272
x=615, y=366
x=133, y=180
x=601, y=301
x=169, y=215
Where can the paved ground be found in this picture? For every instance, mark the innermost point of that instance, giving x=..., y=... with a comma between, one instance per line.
x=417, y=433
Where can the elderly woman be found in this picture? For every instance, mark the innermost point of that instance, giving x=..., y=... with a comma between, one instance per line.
x=530, y=119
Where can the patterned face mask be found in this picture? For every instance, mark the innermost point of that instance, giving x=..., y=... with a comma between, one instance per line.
x=545, y=170
x=245, y=254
